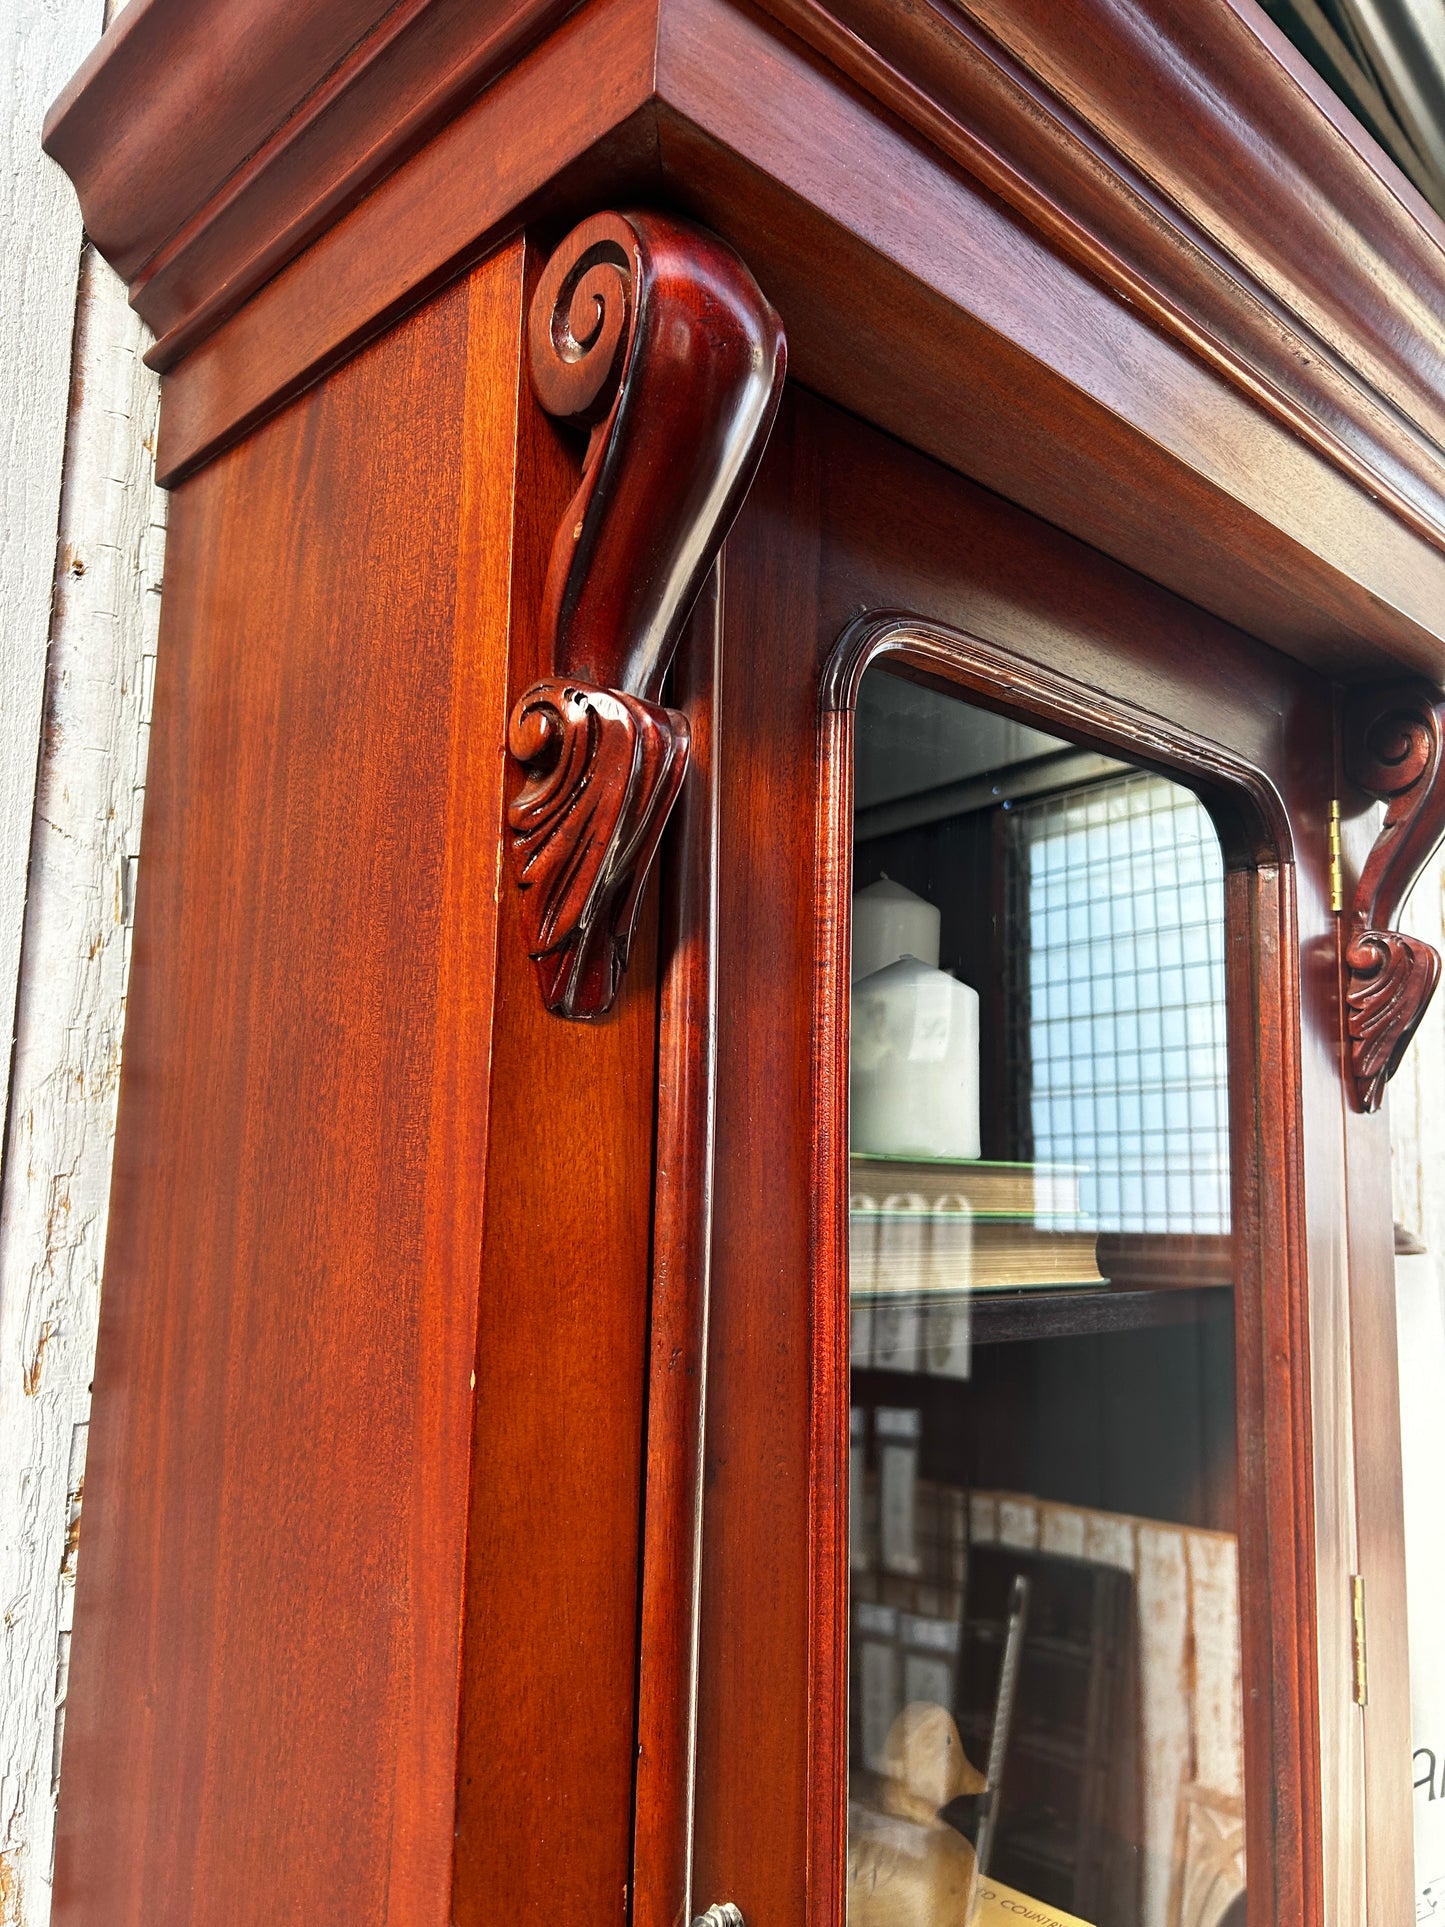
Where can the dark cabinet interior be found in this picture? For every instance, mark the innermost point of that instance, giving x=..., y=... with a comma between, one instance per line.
x=1068, y=1800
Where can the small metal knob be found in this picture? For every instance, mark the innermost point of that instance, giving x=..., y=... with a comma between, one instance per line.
x=722, y=1913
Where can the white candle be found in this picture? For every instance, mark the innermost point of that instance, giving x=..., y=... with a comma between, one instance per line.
x=913, y=1079
x=890, y=922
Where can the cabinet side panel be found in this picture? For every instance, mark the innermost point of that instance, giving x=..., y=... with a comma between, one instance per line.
x=263, y=1702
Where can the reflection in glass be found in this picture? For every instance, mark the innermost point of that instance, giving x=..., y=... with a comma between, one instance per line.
x=1045, y=1713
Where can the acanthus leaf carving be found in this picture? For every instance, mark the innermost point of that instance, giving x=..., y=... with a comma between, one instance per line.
x=1395, y=755
x=652, y=335
x=603, y=771
x=1392, y=978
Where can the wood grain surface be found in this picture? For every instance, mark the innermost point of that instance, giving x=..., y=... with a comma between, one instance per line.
x=301, y=1263
x=250, y=68
x=266, y=1649
x=1188, y=695
x=318, y=100
x=1060, y=392
x=395, y=88
x=1232, y=389
x=678, y=1323
x=547, y=1748
x=1049, y=374
x=370, y=1421
x=559, y=129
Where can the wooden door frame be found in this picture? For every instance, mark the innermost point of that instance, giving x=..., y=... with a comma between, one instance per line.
x=1275, y=1510
x=1310, y=1787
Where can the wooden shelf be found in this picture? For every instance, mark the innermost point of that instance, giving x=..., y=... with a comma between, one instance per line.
x=1015, y=1317
x=1172, y=1261
x=1011, y=1317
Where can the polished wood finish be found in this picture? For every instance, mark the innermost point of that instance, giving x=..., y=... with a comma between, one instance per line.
x=1125, y=267
x=1218, y=390
x=1129, y=670
x=306, y=108
x=655, y=337
x=274, y=1553
x=1039, y=105
x=603, y=771
x=681, y=1273
x=334, y=1591
x=1394, y=754
x=548, y=1682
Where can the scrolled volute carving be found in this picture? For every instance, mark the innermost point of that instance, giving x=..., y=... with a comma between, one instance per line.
x=1394, y=753
x=652, y=335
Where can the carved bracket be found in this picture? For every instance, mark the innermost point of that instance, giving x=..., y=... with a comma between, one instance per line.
x=1394, y=753
x=652, y=334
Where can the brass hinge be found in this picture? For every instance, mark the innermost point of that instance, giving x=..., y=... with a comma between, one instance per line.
x=1337, y=864
x=1357, y=1621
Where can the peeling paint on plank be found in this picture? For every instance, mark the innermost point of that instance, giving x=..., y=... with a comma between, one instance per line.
x=10, y=1915
x=33, y=1369
x=85, y=842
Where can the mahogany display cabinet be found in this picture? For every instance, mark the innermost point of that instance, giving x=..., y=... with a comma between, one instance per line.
x=665, y=491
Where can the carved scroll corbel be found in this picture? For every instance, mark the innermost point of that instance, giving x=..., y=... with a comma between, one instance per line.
x=1394, y=754
x=653, y=335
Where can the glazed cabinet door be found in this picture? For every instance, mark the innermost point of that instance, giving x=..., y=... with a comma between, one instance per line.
x=1029, y=1522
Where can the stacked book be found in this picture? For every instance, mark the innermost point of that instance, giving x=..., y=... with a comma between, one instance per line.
x=925, y=1235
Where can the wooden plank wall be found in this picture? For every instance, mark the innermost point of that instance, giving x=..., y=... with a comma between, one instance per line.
x=40, y=44
x=81, y=542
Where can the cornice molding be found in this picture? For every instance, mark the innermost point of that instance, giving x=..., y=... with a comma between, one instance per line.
x=211, y=140
x=1358, y=262
x=1188, y=159
x=1173, y=173
x=211, y=143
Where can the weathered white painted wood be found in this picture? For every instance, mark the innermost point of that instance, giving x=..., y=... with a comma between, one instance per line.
x=76, y=949
x=1417, y=1146
x=41, y=44
x=1417, y=1093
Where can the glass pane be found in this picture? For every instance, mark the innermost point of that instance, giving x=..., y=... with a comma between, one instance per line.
x=1045, y=1714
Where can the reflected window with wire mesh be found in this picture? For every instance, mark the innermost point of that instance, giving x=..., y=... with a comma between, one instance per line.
x=1042, y=1430
x=1116, y=1007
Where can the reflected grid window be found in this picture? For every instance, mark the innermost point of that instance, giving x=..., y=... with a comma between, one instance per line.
x=1045, y=1678
x=1117, y=1012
